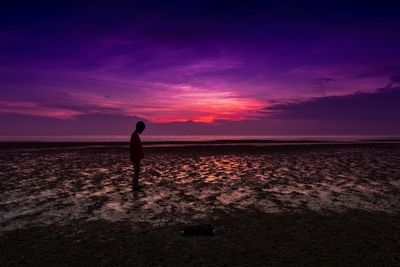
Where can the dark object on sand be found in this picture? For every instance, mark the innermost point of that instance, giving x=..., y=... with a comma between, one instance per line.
x=200, y=229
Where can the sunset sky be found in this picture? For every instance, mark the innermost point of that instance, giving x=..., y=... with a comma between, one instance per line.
x=200, y=67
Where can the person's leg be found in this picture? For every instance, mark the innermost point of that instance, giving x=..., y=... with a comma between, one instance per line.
x=136, y=172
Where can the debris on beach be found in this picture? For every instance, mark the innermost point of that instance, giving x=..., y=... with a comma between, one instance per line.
x=199, y=229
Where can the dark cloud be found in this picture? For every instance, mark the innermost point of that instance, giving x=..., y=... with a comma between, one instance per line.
x=395, y=78
x=382, y=104
x=72, y=29
x=92, y=124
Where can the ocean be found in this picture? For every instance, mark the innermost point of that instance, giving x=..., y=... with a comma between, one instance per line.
x=194, y=138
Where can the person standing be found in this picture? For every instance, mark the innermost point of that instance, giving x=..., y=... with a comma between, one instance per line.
x=136, y=153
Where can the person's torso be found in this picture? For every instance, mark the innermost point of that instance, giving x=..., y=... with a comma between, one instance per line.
x=136, y=146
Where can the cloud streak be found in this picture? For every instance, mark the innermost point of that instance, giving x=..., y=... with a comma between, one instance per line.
x=381, y=104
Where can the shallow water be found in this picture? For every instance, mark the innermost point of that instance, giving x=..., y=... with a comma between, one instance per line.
x=56, y=186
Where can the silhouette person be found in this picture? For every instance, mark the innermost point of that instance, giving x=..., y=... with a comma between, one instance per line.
x=136, y=153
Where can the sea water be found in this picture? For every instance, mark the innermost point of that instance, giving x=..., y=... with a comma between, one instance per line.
x=166, y=138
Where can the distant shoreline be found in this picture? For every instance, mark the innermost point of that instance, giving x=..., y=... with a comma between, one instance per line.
x=149, y=138
x=203, y=144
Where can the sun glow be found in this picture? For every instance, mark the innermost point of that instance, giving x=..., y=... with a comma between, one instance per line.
x=205, y=106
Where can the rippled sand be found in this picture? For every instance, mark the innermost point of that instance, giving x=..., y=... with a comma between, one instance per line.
x=55, y=186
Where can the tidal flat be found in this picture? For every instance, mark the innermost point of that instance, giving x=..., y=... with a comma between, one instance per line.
x=329, y=203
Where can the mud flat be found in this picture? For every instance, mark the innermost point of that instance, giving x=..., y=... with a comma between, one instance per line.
x=271, y=204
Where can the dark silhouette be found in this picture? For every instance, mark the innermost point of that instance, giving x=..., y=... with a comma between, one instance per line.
x=136, y=153
x=200, y=229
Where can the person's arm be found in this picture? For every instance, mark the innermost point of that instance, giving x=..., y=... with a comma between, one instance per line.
x=132, y=147
x=140, y=148
x=131, y=143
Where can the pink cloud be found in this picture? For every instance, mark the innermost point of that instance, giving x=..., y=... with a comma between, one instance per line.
x=173, y=103
x=196, y=98
x=34, y=109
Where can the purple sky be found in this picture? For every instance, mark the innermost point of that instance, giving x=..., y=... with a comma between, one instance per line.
x=200, y=67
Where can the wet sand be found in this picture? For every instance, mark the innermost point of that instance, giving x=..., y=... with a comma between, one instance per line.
x=305, y=203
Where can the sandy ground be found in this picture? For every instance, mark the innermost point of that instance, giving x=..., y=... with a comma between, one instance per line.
x=305, y=204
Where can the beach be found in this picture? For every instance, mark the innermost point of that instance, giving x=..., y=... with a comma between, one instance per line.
x=273, y=203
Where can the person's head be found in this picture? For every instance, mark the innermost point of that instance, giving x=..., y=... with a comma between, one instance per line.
x=140, y=126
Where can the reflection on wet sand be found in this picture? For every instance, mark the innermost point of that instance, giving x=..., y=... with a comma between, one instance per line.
x=56, y=186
